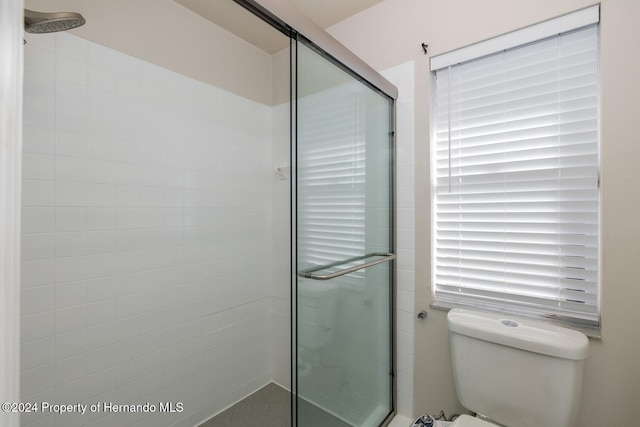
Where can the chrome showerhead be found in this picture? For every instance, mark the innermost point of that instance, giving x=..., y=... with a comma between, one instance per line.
x=41, y=22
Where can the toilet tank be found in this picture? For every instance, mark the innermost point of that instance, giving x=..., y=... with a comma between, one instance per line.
x=517, y=372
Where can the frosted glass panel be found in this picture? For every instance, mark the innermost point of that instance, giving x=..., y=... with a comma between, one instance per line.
x=344, y=217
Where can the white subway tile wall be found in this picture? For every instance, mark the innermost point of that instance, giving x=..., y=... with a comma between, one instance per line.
x=402, y=77
x=147, y=229
x=281, y=251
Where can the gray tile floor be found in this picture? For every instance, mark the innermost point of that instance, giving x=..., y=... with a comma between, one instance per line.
x=271, y=407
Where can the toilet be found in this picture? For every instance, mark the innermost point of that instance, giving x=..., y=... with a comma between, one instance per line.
x=515, y=372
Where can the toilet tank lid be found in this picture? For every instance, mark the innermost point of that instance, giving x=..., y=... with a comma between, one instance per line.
x=525, y=334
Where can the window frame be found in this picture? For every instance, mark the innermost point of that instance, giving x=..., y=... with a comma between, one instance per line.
x=518, y=38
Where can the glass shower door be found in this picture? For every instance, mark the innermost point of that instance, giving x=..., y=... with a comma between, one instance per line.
x=343, y=215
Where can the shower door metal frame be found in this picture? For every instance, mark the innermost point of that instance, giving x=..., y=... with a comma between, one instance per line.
x=288, y=20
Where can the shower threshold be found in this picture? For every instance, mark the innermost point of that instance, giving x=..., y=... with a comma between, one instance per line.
x=271, y=407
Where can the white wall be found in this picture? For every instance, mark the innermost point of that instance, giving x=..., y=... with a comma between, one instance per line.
x=146, y=224
x=391, y=33
x=165, y=33
x=10, y=192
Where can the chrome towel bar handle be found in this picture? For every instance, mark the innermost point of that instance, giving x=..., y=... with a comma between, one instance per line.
x=310, y=274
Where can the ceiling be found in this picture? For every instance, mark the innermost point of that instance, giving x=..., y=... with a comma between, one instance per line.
x=233, y=18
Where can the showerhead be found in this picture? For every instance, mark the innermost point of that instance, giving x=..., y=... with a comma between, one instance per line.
x=40, y=22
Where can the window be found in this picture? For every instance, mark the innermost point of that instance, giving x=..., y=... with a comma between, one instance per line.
x=516, y=172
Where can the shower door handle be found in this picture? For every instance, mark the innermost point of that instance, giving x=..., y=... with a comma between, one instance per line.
x=310, y=274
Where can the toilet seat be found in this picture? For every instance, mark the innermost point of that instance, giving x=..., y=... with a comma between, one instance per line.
x=468, y=421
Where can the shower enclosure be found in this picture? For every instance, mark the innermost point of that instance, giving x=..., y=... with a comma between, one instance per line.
x=165, y=262
x=342, y=230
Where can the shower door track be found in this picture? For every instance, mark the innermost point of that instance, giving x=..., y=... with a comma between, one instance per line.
x=282, y=16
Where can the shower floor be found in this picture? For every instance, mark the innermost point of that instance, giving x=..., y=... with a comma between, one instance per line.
x=271, y=407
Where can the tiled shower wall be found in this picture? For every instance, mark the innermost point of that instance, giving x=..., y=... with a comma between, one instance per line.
x=281, y=251
x=146, y=224
x=402, y=76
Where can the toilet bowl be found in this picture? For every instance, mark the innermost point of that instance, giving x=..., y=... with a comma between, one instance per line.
x=467, y=421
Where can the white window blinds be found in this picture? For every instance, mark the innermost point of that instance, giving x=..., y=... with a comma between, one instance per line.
x=331, y=176
x=516, y=177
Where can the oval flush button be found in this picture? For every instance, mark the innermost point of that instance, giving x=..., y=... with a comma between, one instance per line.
x=510, y=323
